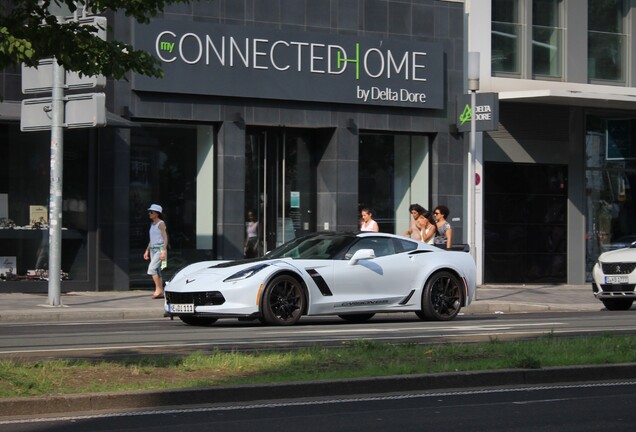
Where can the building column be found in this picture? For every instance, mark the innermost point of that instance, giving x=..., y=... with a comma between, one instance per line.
x=112, y=209
x=230, y=191
x=337, y=182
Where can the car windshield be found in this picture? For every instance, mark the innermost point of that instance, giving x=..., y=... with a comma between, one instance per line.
x=319, y=246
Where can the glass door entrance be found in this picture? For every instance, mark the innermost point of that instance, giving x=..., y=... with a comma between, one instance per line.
x=280, y=187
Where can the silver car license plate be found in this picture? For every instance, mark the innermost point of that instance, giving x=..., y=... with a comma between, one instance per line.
x=616, y=279
x=181, y=308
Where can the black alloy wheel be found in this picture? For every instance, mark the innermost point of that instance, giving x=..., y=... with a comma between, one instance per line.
x=283, y=301
x=441, y=299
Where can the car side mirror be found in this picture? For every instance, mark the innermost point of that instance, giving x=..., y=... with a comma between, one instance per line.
x=361, y=254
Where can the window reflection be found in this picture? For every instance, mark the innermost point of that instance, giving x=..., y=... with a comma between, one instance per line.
x=606, y=40
x=506, y=36
x=164, y=164
x=546, y=38
x=392, y=174
x=610, y=174
x=509, y=37
x=24, y=197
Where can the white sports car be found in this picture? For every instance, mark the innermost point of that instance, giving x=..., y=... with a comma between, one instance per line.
x=352, y=275
x=615, y=278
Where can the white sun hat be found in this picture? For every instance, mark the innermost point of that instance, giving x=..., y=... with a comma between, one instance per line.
x=156, y=207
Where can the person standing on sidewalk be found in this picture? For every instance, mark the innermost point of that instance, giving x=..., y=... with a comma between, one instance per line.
x=367, y=223
x=415, y=222
x=156, y=251
x=444, y=236
x=428, y=229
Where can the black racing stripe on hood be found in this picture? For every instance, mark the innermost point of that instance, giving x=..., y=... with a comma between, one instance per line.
x=320, y=282
x=237, y=262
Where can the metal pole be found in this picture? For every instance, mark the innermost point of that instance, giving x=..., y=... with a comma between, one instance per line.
x=473, y=86
x=471, y=175
x=55, y=191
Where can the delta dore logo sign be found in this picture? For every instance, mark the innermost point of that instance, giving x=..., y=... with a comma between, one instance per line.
x=486, y=112
x=226, y=60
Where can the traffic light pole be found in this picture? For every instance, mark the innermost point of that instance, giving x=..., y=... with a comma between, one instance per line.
x=55, y=191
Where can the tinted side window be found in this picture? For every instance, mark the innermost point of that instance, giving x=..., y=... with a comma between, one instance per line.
x=404, y=245
x=381, y=246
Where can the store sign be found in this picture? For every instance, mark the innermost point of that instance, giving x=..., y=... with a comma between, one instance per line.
x=486, y=112
x=227, y=60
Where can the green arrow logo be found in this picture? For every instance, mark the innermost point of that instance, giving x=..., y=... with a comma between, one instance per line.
x=466, y=115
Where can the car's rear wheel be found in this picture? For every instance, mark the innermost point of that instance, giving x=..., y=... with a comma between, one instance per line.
x=197, y=321
x=283, y=301
x=441, y=299
x=617, y=304
x=357, y=318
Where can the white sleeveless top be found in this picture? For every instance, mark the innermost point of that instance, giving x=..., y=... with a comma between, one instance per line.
x=368, y=226
x=155, y=234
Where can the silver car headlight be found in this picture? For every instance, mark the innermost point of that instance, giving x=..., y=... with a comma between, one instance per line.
x=246, y=273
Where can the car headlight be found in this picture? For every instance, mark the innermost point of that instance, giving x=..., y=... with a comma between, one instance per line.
x=244, y=274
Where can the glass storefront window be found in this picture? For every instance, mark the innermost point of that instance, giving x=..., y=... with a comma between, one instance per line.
x=546, y=38
x=393, y=173
x=280, y=185
x=171, y=166
x=606, y=40
x=24, y=199
x=525, y=223
x=610, y=172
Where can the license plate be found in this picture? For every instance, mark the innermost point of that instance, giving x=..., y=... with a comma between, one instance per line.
x=616, y=279
x=181, y=308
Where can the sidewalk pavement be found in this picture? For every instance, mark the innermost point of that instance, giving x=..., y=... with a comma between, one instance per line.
x=138, y=304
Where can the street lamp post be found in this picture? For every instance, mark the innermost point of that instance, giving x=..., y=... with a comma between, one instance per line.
x=473, y=86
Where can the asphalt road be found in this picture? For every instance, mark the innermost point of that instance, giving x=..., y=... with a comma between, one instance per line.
x=128, y=323
x=118, y=338
x=594, y=407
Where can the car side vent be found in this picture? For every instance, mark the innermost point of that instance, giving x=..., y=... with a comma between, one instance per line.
x=618, y=268
x=320, y=282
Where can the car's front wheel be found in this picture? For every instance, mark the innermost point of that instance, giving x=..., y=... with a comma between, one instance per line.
x=617, y=304
x=357, y=318
x=441, y=299
x=283, y=301
x=197, y=321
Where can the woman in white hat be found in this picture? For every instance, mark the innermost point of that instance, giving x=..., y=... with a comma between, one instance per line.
x=156, y=250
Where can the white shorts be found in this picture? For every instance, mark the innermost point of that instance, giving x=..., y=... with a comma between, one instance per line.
x=154, y=268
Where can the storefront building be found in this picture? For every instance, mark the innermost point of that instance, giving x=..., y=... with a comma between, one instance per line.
x=299, y=113
x=557, y=174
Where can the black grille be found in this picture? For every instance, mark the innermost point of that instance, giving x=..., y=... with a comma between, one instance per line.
x=618, y=288
x=618, y=268
x=208, y=298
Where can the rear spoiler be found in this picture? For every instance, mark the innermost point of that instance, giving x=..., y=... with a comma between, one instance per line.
x=460, y=248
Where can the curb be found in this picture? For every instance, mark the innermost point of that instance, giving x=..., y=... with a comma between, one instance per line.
x=67, y=314
x=244, y=393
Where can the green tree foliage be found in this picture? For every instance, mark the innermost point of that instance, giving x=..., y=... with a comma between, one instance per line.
x=29, y=32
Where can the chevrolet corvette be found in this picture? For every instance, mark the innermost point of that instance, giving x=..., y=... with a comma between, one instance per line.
x=350, y=275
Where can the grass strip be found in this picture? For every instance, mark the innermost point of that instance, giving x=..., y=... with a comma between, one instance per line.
x=358, y=359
